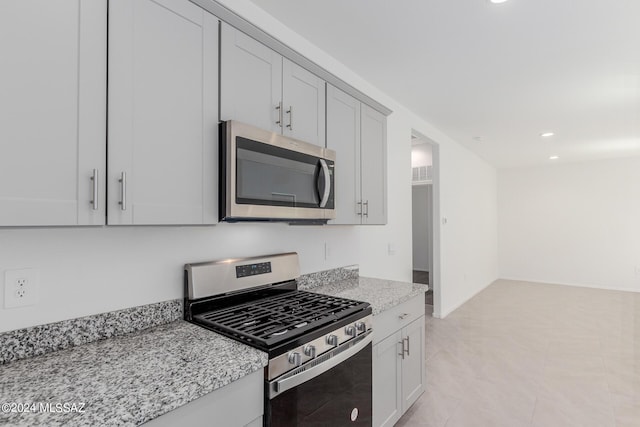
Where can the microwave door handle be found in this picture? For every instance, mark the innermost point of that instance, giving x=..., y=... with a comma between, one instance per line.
x=327, y=183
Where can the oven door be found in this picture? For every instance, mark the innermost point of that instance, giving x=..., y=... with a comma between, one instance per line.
x=270, y=176
x=331, y=390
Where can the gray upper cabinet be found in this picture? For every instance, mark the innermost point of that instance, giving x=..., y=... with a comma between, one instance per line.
x=163, y=113
x=343, y=136
x=261, y=88
x=303, y=101
x=358, y=135
x=251, y=81
x=373, y=160
x=52, y=112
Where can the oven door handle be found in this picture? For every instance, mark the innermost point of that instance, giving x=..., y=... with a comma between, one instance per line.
x=327, y=182
x=279, y=386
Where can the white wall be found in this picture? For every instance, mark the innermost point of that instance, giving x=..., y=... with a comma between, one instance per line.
x=575, y=224
x=91, y=270
x=420, y=232
x=469, y=240
x=421, y=155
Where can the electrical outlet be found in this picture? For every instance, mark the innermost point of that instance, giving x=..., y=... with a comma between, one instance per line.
x=20, y=287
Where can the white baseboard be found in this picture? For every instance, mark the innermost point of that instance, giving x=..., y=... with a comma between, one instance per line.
x=445, y=313
x=575, y=285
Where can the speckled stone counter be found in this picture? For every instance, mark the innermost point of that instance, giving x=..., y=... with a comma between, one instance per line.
x=307, y=282
x=126, y=380
x=381, y=294
x=42, y=339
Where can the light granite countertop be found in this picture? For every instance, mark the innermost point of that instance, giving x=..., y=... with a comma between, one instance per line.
x=133, y=377
x=126, y=380
x=381, y=294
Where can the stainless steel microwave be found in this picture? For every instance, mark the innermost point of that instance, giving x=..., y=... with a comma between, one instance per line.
x=265, y=176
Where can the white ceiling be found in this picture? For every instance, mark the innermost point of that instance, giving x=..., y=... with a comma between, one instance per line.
x=504, y=72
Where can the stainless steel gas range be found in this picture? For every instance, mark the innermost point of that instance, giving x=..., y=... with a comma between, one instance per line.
x=320, y=365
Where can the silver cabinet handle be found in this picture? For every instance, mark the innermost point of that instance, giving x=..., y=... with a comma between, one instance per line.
x=401, y=351
x=94, y=199
x=290, y=113
x=279, y=108
x=366, y=212
x=359, y=204
x=123, y=191
x=408, y=344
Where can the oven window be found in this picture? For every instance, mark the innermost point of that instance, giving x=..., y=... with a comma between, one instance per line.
x=268, y=175
x=333, y=398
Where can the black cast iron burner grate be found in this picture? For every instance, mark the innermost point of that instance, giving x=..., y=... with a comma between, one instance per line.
x=270, y=321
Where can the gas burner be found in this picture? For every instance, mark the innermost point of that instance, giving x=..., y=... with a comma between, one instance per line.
x=271, y=320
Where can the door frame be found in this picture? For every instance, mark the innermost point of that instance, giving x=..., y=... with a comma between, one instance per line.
x=434, y=275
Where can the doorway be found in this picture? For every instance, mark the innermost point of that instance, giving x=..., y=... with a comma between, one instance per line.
x=423, y=186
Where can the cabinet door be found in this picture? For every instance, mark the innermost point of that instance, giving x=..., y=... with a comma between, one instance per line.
x=162, y=113
x=250, y=81
x=374, y=165
x=52, y=111
x=303, y=99
x=413, y=366
x=343, y=136
x=387, y=377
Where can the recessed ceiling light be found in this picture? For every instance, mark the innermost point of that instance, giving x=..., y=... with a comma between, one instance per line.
x=547, y=134
x=497, y=1
x=554, y=158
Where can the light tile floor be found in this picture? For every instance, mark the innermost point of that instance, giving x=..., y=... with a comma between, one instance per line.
x=530, y=354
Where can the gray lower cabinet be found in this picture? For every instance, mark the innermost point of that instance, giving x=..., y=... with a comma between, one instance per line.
x=398, y=361
x=387, y=381
x=53, y=112
x=358, y=134
x=261, y=88
x=239, y=404
x=163, y=113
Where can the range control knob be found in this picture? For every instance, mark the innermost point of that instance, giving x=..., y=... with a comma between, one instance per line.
x=332, y=340
x=350, y=331
x=295, y=358
x=361, y=327
x=309, y=350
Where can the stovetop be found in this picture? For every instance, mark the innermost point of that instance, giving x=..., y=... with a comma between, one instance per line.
x=268, y=322
x=256, y=301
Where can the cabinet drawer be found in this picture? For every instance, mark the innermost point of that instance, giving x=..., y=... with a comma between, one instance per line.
x=395, y=318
